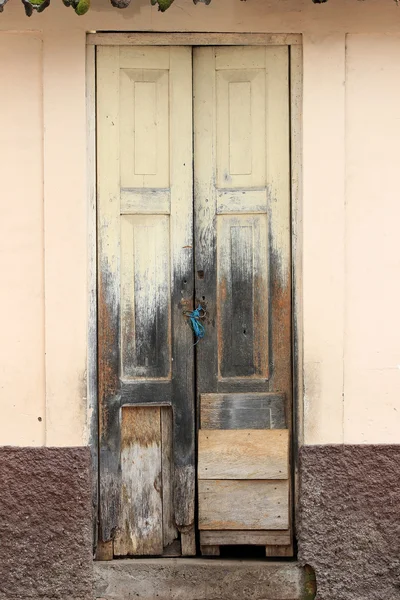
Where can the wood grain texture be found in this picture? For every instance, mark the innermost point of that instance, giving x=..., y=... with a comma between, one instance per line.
x=144, y=118
x=105, y=551
x=181, y=122
x=193, y=39
x=243, y=504
x=188, y=541
x=242, y=296
x=108, y=288
x=140, y=530
x=273, y=551
x=170, y=532
x=242, y=411
x=278, y=168
x=210, y=550
x=145, y=297
x=244, y=538
x=243, y=454
x=243, y=256
x=92, y=381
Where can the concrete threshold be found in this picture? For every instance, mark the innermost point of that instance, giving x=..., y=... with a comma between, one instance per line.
x=198, y=579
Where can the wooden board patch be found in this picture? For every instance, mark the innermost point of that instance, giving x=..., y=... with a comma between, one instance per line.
x=243, y=411
x=242, y=538
x=243, y=504
x=145, y=524
x=243, y=454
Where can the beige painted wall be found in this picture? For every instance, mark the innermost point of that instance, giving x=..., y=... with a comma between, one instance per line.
x=351, y=256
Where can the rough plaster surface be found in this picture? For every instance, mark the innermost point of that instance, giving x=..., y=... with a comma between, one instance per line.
x=349, y=529
x=45, y=524
x=197, y=579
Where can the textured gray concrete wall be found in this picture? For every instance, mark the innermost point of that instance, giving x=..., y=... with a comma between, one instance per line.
x=45, y=524
x=349, y=528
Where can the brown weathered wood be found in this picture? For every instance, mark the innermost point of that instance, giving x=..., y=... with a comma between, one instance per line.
x=145, y=270
x=145, y=297
x=244, y=538
x=242, y=296
x=243, y=258
x=192, y=39
x=243, y=454
x=108, y=291
x=188, y=541
x=173, y=550
x=104, y=551
x=92, y=380
x=279, y=551
x=243, y=504
x=170, y=532
x=205, y=211
x=140, y=531
x=242, y=411
x=146, y=392
x=210, y=550
x=278, y=157
x=182, y=292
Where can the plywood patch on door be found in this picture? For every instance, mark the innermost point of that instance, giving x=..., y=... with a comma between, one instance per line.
x=243, y=454
x=241, y=504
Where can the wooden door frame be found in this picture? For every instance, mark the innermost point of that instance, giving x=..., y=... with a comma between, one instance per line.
x=294, y=41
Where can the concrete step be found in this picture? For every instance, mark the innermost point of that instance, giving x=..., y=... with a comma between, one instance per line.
x=198, y=579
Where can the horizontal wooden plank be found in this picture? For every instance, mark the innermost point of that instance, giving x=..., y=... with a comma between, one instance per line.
x=141, y=392
x=243, y=504
x=243, y=454
x=241, y=201
x=243, y=411
x=145, y=201
x=244, y=538
x=193, y=39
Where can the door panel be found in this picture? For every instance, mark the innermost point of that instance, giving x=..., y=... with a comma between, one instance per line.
x=145, y=262
x=242, y=263
x=242, y=226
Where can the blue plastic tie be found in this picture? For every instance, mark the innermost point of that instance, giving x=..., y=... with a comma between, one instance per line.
x=196, y=324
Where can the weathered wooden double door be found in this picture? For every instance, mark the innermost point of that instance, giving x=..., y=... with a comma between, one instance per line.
x=193, y=208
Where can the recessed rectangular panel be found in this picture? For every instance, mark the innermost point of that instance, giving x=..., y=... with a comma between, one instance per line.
x=239, y=95
x=144, y=128
x=145, y=296
x=240, y=128
x=145, y=120
x=239, y=504
x=243, y=454
x=242, y=295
